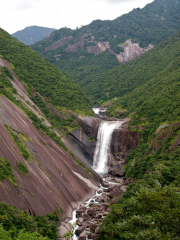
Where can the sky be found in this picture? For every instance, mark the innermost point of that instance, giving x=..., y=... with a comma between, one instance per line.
x=18, y=14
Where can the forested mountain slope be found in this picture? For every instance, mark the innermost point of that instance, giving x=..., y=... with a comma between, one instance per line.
x=51, y=89
x=32, y=34
x=38, y=174
x=88, y=52
x=150, y=207
x=122, y=80
x=150, y=82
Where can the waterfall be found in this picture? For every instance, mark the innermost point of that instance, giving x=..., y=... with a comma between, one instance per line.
x=103, y=146
x=96, y=110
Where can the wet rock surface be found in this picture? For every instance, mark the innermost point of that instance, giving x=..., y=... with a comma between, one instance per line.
x=91, y=214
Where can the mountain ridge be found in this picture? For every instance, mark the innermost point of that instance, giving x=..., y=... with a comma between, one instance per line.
x=85, y=53
x=32, y=34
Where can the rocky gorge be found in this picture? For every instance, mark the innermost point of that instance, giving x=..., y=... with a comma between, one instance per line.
x=84, y=139
x=89, y=215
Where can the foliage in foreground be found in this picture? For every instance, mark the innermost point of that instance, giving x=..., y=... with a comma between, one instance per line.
x=16, y=224
x=5, y=235
x=153, y=213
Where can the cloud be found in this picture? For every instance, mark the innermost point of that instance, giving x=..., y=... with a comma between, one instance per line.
x=24, y=6
x=120, y=1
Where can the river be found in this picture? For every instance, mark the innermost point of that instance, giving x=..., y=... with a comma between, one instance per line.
x=100, y=161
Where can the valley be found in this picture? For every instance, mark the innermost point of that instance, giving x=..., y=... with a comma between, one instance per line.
x=90, y=129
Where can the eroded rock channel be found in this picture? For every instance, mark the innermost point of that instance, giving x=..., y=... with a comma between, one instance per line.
x=89, y=215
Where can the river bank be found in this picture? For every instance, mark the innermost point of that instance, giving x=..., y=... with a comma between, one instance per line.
x=89, y=215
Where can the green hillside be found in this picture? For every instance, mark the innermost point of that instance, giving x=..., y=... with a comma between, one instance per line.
x=122, y=80
x=149, y=87
x=40, y=76
x=149, y=209
x=150, y=25
x=32, y=34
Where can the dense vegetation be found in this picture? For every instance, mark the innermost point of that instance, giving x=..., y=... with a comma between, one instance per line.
x=55, y=87
x=152, y=24
x=148, y=211
x=153, y=213
x=154, y=87
x=32, y=34
x=16, y=224
x=122, y=80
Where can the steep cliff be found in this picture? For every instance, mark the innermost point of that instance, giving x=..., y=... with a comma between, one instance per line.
x=45, y=172
x=123, y=141
x=51, y=169
x=84, y=138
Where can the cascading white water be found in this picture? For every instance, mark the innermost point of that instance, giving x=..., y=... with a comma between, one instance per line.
x=103, y=144
x=96, y=110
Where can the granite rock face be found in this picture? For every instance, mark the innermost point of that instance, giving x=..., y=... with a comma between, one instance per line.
x=131, y=51
x=52, y=181
x=122, y=140
x=84, y=138
x=55, y=178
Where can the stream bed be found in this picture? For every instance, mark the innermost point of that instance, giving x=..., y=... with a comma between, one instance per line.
x=89, y=215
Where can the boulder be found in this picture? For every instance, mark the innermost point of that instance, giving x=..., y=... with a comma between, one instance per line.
x=115, y=193
x=80, y=221
x=92, y=205
x=99, y=215
x=91, y=212
x=112, y=188
x=79, y=230
x=99, y=191
x=119, y=173
x=116, y=172
x=106, y=190
x=105, y=206
x=100, y=199
x=105, y=184
x=90, y=236
x=80, y=211
x=82, y=236
x=86, y=216
x=93, y=227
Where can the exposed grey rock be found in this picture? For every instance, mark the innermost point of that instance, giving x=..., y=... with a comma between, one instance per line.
x=79, y=230
x=91, y=212
x=105, y=184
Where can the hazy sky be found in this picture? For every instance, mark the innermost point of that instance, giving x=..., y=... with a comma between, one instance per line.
x=18, y=14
